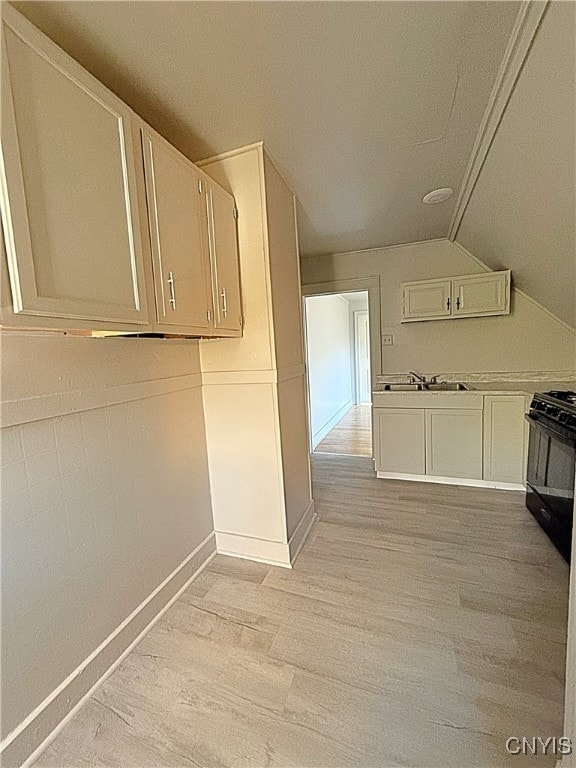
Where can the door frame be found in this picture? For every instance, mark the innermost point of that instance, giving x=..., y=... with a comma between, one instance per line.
x=357, y=384
x=370, y=284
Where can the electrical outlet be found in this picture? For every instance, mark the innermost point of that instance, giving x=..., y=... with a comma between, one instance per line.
x=387, y=340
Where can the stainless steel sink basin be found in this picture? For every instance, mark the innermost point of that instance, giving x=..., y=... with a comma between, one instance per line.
x=402, y=387
x=451, y=386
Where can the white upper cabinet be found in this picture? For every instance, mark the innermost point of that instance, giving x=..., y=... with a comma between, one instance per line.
x=480, y=295
x=427, y=299
x=69, y=200
x=485, y=294
x=223, y=244
x=178, y=237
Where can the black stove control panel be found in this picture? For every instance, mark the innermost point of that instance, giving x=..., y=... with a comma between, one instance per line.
x=556, y=406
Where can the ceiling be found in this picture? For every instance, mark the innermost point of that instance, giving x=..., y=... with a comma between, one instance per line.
x=521, y=214
x=365, y=106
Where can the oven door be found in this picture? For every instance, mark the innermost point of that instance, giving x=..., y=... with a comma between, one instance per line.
x=551, y=463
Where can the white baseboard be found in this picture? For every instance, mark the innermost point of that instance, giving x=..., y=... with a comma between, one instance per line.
x=320, y=434
x=23, y=746
x=452, y=481
x=265, y=551
x=249, y=548
x=301, y=531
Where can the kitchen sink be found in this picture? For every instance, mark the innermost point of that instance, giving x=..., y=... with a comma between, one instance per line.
x=449, y=386
x=401, y=387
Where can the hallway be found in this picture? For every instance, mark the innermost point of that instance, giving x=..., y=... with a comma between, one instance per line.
x=419, y=627
x=352, y=436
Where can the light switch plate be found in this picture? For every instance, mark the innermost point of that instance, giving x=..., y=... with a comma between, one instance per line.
x=387, y=340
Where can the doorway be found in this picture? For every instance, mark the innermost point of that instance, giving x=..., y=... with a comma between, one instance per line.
x=337, y=335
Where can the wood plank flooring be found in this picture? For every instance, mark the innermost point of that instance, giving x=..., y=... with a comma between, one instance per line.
x=352, y=436
x=421, y=626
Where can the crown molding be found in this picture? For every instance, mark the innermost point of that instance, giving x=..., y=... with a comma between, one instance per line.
x=527, y=22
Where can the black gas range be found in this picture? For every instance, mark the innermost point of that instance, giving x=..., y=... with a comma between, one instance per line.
x=551, y=465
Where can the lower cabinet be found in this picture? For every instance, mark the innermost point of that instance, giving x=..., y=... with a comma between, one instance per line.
x=485, y=443
x=454, y=443
x=505, y=429
x=400, y=440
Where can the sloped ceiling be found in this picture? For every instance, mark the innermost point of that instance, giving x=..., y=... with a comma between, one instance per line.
x=522, y=213
x=364, y=106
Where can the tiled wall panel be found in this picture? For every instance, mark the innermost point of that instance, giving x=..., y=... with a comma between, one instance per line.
x=98, y=508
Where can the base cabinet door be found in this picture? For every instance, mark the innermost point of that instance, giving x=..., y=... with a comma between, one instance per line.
x=224, y=260
x=399, y=440
x=454, y=443
x=177, y=236
x=504, y=438
x=69, y=201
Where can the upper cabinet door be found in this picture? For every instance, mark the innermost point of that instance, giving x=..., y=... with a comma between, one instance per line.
x=178, y=238
x=484, y=294
x=223, y=241
x=426, y=300
x=69, y=204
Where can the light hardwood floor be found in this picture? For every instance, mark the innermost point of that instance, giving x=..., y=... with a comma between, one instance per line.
x=352, y=436
x=422, y=625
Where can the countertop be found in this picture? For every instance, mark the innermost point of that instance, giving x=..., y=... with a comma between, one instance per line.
x=526, y=388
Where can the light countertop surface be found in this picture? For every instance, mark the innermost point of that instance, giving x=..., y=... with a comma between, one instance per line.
x=526, y=388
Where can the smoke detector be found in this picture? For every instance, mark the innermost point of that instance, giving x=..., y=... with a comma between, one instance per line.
x=438, y=195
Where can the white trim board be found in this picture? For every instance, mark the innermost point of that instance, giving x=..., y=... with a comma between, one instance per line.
x=496, y=484
x=24, y=745
x=321, y=433
x=249, y=548
x=277, y=553
x=301, y=531
x=55, y=404
x=525, y=28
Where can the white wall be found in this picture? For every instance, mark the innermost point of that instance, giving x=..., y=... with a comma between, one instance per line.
x=329, y=354
x=105, y=493
x=529, y=339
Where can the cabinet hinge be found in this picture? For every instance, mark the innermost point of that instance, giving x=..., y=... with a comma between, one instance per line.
x=241, y=319
x=235, y=212
x=200, y=185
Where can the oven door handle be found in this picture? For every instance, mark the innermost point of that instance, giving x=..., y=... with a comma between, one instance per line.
x=547, y=427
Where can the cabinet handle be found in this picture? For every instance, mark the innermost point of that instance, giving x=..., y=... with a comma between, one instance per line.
x=209, y=316
x=172, y=299
x=448, y=303
x=224, y=303
x=458, y=303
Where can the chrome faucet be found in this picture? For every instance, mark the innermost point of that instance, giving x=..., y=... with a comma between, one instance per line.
x=414, y=377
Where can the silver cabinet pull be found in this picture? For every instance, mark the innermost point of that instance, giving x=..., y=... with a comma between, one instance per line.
x=209, y=316
x=224, y=303
x=172, y=298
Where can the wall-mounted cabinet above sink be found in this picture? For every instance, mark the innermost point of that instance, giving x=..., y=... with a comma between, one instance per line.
x=480, y=295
